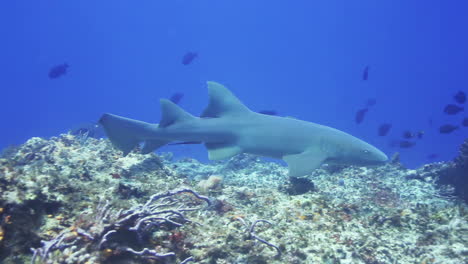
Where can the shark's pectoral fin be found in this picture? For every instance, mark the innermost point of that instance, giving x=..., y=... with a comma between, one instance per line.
x=218, y=151
x=304, y=163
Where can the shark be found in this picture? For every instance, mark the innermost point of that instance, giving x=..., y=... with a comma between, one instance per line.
x=227, y=127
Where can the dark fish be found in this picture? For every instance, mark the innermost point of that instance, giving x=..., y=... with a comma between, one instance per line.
x=446, y=129
x=430, y=122
x=384, y=129
x=460, y=97
x=175, y=98
x=432, y=156
x=185, y=143
x=189, y=57
x=406, y=144
x=268, y=112
x=365, y=73
x=371, y=102
x=58, y=70
x=420, y=134
x=408, y=134
x=465, y=122
x=91, y=129
x=452, y=109
x=360, y=115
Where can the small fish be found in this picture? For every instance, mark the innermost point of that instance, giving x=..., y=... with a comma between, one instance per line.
x=460, y=97
x=432, y=156
x=384, y=129
x=408, y=134
x=448, y=128
x=371, y=102
x=420, y=134
x=58, y=70
x=175, y=98
x=430, y=122
x=90, y=129
x=452, y=109
x=341, y=182
x=189, y=57
x=406, y=144
x=360, y=114
x=465, y=122
x=268, y=112
x=365, y=73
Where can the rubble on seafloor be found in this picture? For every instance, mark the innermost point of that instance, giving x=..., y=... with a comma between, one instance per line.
x=69, y=200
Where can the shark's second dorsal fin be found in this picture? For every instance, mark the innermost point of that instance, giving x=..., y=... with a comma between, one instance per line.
x=222, y=102
x=172, y=113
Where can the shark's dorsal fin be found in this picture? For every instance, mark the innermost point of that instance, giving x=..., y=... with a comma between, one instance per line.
x=172, y=113
x=304, y=163
x=222, y=102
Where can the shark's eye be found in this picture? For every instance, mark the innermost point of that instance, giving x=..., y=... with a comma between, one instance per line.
x=365, y=151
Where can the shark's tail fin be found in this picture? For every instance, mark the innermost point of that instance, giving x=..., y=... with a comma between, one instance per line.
x=127, y=133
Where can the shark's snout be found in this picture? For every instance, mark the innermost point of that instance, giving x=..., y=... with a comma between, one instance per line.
x=381, y=157
x=377, y=157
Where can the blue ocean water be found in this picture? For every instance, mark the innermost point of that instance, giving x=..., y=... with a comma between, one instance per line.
x=304, y=59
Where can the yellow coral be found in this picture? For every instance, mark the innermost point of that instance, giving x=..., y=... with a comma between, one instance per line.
x=302, y=217
x=1, y=210
x=405, y=212
x=107, y=252
x=1, y=233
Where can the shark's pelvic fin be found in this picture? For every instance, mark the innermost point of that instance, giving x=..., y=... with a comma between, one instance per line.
x=172, y=113
x=218, y=151
x=152, y=145
x=304, y=163
x=222, y=102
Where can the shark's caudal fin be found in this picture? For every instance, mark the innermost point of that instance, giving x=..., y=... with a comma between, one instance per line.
x=222, y=102
x=126, y=133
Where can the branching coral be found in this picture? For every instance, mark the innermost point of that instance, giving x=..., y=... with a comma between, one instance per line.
x=252, y=234
x=116, y=233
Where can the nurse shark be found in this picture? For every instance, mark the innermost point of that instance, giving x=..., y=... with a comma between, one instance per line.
x=227, y=128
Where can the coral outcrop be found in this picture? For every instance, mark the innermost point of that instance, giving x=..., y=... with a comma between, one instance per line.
x=452, y=176
x=75, y=200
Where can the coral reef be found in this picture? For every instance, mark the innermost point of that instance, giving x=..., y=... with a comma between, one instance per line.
x=107, y=235
x=66, y=200
x=451, y=175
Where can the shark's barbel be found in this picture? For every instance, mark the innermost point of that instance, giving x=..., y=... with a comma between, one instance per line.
x=227, y=127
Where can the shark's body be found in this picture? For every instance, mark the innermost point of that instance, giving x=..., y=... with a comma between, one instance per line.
x=227, y=127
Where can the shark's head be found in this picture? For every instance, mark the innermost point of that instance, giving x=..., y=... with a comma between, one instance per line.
x=358, y=152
